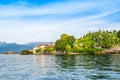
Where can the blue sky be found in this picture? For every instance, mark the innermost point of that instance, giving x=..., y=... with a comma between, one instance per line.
x=23, y=21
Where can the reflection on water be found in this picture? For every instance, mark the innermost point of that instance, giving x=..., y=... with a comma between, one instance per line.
x=51, y=67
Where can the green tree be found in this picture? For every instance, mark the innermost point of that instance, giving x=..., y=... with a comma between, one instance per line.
x=39, y=50
x=26, y=52
x=118, y=34
x=91, y=42
x=49, y=49
x=68, y=48
x=64, y=40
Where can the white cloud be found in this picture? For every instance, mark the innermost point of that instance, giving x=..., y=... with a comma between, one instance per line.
x=55, y=8
x=15, y=27
x=60, y=8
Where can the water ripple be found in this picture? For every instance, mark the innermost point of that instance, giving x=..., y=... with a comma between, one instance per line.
x=51, y=67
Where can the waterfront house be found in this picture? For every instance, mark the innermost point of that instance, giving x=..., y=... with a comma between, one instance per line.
x=41, y=47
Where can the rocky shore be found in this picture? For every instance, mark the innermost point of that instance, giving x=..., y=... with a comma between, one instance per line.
x=114, y=50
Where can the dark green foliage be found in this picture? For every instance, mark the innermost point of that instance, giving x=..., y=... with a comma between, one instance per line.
x=26, y=52
x=68, y=48
x=91, y=42
x=88, y=50
x=99, y=39
x=105, y=39
x=65, y=40
x=118, y=34
x=49, y=49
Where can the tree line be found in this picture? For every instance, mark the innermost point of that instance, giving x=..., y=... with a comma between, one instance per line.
x=89, y=43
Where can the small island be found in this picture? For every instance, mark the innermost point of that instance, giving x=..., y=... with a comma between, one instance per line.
x=99, y=42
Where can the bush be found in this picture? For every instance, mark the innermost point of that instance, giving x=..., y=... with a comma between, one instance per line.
x=26, y=52
x=49, y=49
x=87, y=50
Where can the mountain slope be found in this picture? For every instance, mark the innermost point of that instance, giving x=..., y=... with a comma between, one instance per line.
x=4, y=47
x=33, y=44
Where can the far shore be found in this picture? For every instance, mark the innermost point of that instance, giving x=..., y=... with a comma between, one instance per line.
x=107, y=51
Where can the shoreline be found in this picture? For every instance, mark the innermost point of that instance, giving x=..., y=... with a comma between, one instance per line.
x=114, y=50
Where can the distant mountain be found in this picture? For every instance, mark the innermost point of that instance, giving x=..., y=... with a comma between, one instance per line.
x=4, y=47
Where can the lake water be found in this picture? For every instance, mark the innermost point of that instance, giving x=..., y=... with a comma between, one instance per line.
x=51, y=67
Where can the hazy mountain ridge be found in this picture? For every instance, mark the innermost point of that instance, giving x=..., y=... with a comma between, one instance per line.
x=4, y=47
x=33, y=44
